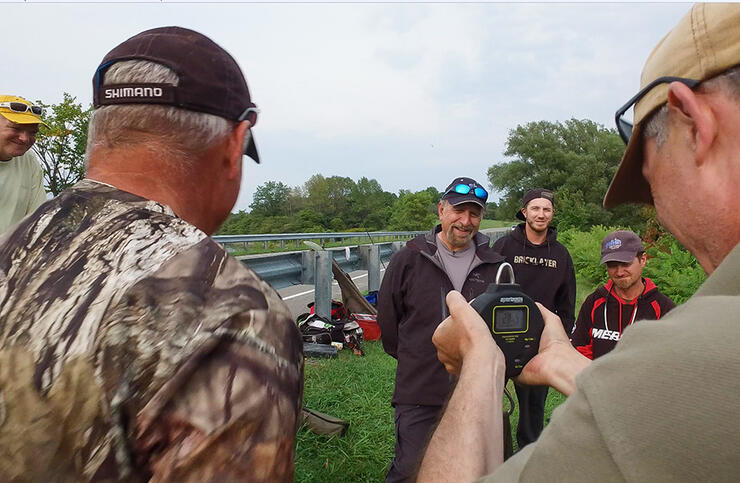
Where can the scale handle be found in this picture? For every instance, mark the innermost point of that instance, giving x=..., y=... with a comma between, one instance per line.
x=505, y=265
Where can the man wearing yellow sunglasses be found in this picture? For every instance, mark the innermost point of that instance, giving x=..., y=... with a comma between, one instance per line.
x=21, y=176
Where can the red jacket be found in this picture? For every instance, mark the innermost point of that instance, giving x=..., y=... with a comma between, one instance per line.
x=604, y=316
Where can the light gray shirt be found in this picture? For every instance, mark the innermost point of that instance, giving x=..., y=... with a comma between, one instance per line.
x=457, y=264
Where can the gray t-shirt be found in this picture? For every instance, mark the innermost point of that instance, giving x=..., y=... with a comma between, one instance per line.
x=457, y=263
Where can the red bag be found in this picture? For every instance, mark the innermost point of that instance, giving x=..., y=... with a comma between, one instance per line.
x=338, y=312
x=369, y=324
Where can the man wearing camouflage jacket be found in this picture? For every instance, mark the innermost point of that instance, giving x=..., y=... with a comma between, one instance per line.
x=132, y=347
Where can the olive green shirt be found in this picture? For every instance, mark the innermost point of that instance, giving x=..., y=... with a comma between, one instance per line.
x=662, y=406
x=21, y=188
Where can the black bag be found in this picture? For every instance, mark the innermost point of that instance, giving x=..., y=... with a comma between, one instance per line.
x=320, y=331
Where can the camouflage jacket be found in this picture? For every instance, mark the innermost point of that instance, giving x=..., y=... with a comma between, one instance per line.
x=132, y=347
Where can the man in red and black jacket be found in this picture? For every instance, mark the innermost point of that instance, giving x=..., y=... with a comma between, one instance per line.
x=624, y=299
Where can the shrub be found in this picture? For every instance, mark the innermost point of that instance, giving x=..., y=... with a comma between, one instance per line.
x=673, y=269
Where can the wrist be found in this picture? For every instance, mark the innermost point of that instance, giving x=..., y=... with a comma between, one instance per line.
x=486, y=357
x=565, y=364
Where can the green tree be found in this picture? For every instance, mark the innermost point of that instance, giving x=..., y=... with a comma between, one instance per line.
x=415, y=211
x=369, y=206
x=271, y=199
x=576, y=159
x=329, y=197
x=491, y=208
x=61, y=147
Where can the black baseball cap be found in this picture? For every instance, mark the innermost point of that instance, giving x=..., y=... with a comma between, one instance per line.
x=465, y=190
x=210, y=80
x=534, y=194
x=620, y=246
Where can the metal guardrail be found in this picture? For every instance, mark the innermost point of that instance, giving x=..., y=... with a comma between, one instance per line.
x=265, y=238
x=284, y=269
x=295, y=268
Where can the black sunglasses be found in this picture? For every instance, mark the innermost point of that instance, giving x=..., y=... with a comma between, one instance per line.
x=623, y=125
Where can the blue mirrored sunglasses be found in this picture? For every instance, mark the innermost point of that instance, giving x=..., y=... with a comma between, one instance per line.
x=464, y=189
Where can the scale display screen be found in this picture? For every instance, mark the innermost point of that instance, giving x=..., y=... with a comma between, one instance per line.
x=510, y=319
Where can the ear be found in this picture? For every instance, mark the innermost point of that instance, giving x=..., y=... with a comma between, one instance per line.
x=697, y=113
x=235, y=149
x=643, y=260
x=440, y=208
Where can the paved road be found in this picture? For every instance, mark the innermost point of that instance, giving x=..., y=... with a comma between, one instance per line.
x=298, y=296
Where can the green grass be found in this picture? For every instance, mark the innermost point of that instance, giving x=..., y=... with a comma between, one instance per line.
x=497, y=223
x=554, y=399
x=359, y=390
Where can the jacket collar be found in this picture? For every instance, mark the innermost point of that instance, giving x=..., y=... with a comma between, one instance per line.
x=649, y=287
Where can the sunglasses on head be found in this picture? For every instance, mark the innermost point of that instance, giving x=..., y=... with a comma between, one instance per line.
x=625, y=126
x=464, y=189
x=20, y=108
x=250, y=114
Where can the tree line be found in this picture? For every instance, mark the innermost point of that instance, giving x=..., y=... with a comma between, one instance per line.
x=575, y=158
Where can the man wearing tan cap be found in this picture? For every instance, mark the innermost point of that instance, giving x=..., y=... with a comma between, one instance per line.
x=662, y=406
x=21, y=176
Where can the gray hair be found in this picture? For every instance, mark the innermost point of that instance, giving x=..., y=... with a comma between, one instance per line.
x=168, y=131
x=728, y=82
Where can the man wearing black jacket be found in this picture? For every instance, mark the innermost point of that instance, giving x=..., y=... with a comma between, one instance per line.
x=544, y=269
x=411, y=304
x=626, y=298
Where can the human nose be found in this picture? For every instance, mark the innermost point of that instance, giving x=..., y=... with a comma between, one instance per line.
x=465, y=218
x=26, y=137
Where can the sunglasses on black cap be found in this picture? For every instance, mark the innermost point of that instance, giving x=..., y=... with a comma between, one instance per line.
x=464, y=189
x=250, y=114
x=21, y=108
x=625, y=126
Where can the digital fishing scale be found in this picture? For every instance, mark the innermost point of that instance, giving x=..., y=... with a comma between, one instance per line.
x=513, y=319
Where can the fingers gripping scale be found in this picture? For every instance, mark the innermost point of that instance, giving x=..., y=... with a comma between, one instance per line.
x=513, y=319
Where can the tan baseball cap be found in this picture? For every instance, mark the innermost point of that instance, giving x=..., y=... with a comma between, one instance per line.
x=705, y=43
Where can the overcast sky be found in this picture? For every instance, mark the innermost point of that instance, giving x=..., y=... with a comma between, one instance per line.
x=412, y=95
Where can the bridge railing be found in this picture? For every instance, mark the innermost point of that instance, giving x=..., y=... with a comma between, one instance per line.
x=314, y=267
x=336, y=237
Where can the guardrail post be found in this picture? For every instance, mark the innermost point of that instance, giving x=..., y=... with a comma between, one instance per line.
x=373, y=269
x=322, y=284
x=370, y=261
x=308, y=267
